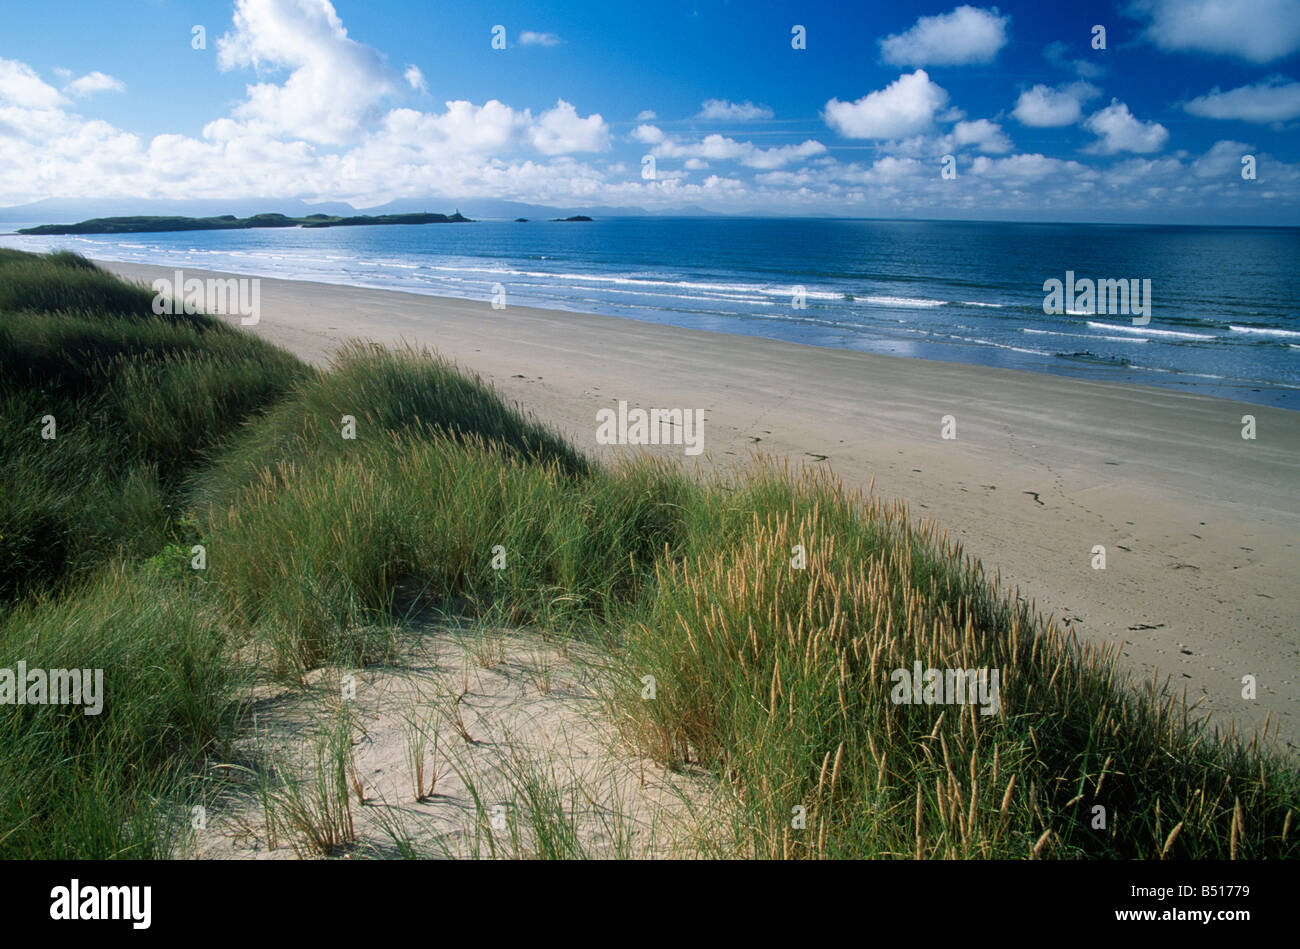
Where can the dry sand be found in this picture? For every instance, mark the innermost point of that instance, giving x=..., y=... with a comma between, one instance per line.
x=515, y=735
x=1199, y=524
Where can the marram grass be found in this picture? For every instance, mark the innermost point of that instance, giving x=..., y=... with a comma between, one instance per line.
x=774, y=678
x=779, y=680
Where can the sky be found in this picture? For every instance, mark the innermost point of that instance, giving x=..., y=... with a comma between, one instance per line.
x=1135, y=110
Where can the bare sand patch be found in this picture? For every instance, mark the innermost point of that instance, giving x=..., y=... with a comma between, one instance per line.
x=518, y=760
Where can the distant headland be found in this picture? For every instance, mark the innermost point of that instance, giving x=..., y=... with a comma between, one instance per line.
x=228, y=222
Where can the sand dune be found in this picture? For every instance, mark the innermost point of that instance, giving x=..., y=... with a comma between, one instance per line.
x=1198, y=524
x=514, y=731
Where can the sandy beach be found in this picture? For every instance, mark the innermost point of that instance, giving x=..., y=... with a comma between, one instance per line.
x=1198, y=524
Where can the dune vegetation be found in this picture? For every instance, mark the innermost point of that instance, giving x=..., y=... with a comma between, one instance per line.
x=178, y=434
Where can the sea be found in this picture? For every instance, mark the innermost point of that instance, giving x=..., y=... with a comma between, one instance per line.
x=1223, y=317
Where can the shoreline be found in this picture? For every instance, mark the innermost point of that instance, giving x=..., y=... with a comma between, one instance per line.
x=1250, y=365
x=1198, y=524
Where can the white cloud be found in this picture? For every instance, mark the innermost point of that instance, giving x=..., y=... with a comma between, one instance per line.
x=720, y=148
x=94, y=82
x=20, y=86
x=780, y=155
x=561, y=130
x=1222, y=161
x=894, y=169
x=1042, y=107
x=335, y=85
x=904, y=107
x=648, y=134
x=985, y=135
x=494, y=150
x=335, y=91
x=1120, y=131
x=1275, y=100
x=464, y=128
x=1020, y=169
x=531, y=38
x=966, y=35
x=721, y=110
x=646, y=115
x=472, y=151
x=1254, y=30
x=415, y=79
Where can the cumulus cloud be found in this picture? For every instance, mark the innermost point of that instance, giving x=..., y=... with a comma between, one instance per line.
x=491, y=149
x=1022, y=169
x=646, y=115
x=20, y=86
x=723, y=111
x=1043, y=107
x=561, y=130
x=483, y=150
x=1275, y=100
x=648, y=134
x=465, y=128
x=92, y=83
x=335, y=92
x=986, y=136
x=966, y=35
x=531, y=38
x=904, y=107
x=1255, y=30
x=720, y=148
x=1222, y=162
x=1120, y=131
x=335, y=85
x=982, y=135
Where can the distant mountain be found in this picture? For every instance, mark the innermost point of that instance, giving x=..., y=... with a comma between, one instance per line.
x=228, y=222
x=495, y=209
x=67, y=210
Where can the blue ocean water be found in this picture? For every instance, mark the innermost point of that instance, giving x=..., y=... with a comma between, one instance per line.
x=1224, y=318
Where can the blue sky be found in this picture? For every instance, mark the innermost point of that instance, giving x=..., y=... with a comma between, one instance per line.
x=373, y=101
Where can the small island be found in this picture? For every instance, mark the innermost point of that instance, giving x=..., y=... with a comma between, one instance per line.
x=228, y=222
x=576, y=217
